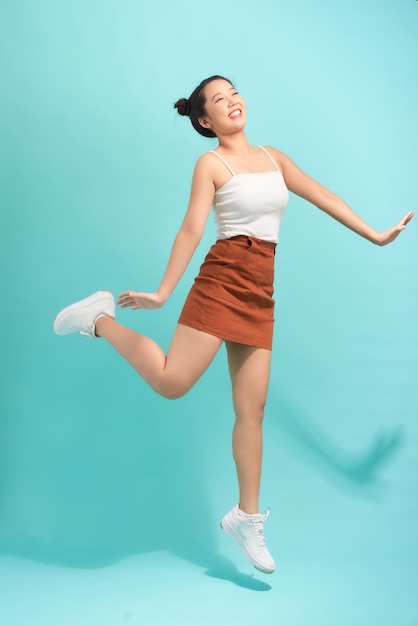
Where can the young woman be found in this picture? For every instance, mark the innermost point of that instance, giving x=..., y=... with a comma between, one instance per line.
x=231, y=299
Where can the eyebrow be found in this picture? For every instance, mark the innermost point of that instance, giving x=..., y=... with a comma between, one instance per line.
x=220, y=93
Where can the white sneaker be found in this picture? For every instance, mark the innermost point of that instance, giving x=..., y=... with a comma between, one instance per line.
x=248, y=532
x=81, y=316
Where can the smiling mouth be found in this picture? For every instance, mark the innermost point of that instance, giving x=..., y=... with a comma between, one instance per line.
x=236, y=113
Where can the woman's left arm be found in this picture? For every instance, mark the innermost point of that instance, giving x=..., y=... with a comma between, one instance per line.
x=303, y=185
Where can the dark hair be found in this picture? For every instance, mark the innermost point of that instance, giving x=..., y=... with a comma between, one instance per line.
x=194, y=107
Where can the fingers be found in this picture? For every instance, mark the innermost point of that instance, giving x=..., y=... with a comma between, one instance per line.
x=135, y=300
x=127, y=294
x=126, y=299
x=391, y=234
x=123, y=302
x=408, y=217
x=404, y=221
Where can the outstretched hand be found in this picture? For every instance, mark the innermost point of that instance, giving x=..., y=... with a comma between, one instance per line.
x=134, y=300
x=390, y=235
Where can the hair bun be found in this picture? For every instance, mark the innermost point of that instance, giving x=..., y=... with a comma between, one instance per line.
x=182, y=106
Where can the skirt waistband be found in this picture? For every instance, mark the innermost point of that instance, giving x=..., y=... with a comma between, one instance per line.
x=262, y=243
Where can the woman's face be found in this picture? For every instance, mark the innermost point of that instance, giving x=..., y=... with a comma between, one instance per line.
x=225, y=108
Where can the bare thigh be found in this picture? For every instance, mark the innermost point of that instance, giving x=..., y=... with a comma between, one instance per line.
x=190, y=353
x=249, y=369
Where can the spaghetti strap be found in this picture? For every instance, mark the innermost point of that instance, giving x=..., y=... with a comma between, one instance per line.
x=223, y=160
x=270, y=157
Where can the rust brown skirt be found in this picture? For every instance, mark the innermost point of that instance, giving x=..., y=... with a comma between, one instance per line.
x=232, y=297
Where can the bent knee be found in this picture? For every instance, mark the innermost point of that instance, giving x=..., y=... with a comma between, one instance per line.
x=172, y=391
x=175, y=394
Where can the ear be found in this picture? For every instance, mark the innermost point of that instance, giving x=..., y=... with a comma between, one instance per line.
x=203, y=121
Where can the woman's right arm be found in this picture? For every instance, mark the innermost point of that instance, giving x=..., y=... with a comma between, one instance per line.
x=185, y=243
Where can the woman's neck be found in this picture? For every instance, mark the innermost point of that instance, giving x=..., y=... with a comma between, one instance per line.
x=234, y=144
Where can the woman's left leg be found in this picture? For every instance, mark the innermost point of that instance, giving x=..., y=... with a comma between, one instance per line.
x=250, y=373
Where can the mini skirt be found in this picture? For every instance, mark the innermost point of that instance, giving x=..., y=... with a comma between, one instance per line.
x=232, y=296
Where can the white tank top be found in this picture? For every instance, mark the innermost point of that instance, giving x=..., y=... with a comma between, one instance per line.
x=250, y=204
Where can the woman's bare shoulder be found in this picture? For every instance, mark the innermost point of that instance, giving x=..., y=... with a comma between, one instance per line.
x=207, y=160
x=279, y=157
x=210, y=166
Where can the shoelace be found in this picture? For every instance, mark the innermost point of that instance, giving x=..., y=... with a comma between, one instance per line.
x=258, y=525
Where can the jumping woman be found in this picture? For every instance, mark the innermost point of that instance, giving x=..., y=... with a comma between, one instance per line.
x=231, y=298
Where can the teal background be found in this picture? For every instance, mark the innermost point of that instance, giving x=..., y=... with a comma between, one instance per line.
x=110, y=496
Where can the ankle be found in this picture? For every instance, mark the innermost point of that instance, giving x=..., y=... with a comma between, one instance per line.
x=100, y=323
x=247, y=510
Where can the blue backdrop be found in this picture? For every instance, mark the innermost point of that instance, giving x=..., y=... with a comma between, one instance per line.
x=95, y=469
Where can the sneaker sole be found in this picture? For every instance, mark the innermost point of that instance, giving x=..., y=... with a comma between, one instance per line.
x=77, y=306
x=225, y=526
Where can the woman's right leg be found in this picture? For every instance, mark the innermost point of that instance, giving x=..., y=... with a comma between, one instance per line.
x=190, y=354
